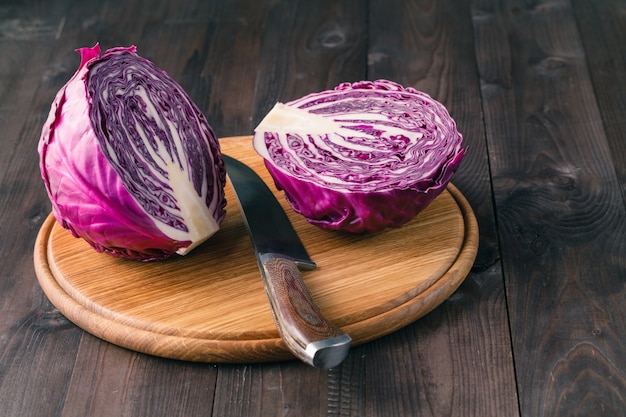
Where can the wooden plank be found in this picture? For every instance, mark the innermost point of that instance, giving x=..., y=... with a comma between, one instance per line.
x=560, y=214
x=287, y=388
x=27, y=35
x=309, y=47
x=303, y=47
x=217, y=44
x=32, y=330
x=602, y=25
x=458, y=372
x=112, y=381
x=442, y=356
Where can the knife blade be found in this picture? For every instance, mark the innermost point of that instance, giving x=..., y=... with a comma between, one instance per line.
x=280, y=256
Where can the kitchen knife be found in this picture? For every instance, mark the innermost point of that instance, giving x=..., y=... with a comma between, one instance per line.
x=281, y=255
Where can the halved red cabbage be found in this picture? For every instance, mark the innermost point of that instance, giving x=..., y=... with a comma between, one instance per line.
x=361, y=157
x=129, y=162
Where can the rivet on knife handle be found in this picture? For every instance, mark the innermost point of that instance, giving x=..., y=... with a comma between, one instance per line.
x=305, y=331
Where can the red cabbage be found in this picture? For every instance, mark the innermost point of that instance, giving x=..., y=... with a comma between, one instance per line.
x=361, y=157
x=129, y=162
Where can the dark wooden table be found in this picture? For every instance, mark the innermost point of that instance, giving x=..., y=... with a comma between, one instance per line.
x=538, y=90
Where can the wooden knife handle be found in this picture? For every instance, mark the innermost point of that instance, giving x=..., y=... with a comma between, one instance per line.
x=303, y=328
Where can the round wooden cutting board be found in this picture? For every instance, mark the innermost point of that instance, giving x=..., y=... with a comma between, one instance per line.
x=210, y=305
